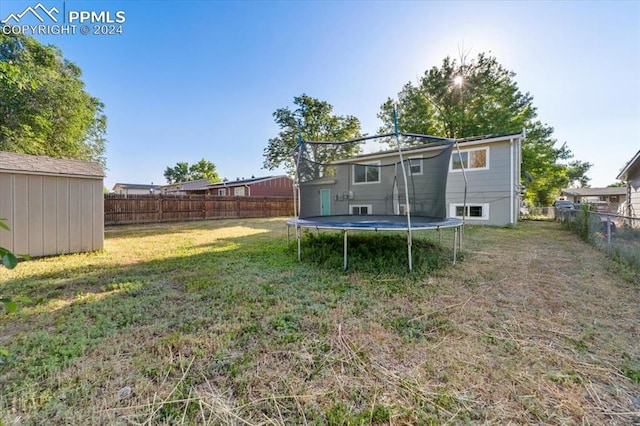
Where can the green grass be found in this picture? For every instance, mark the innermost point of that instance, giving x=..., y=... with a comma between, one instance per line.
x=218, y=323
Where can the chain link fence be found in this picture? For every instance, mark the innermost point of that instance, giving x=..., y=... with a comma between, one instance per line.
x=618, y=236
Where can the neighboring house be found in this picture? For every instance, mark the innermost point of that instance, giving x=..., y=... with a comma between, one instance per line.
x=270, y=186
x=51, y=206
x=134, y=189
x=491, y=166
x=615, y=196
x=183, y=188
x=630, y=174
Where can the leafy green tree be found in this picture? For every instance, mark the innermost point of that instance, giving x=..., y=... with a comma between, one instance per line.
x=577, y=173
x=204, y=169
x=616, y=185
x=9, y=261
x=44, y=109
x=182, y=172
x=177, y=173
x=481, y=97
x=312, y=120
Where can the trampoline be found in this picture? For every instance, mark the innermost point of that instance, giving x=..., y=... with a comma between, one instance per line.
x=376, y=223
x=401, y=188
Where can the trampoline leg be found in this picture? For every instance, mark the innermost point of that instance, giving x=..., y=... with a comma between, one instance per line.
x=409, y=251
x=345, y=249
x=455, y=244
x=298, y=237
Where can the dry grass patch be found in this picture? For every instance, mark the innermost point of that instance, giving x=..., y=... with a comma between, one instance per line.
x=218, y=323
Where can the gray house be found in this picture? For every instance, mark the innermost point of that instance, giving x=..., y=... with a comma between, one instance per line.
x=630, y=174
x=369, y=184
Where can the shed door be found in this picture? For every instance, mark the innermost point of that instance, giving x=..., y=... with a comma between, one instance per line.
x=325, y=202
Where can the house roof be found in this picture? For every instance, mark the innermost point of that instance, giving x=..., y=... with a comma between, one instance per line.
x=594, y=192
x=134, y=186
x=632, y=165
x=195, y=185
x=244, y=181
x=43, y=165
x=434, y=146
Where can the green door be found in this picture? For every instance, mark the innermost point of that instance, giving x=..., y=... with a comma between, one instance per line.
x=325, y=202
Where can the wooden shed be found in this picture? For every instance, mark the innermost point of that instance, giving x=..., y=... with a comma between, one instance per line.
x=52, y=206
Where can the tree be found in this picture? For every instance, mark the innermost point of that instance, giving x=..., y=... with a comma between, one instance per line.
x=577, y=173
x=44, y=109
x=312, y=120
x=182, y=172
x=481, y=97
x=616, y=185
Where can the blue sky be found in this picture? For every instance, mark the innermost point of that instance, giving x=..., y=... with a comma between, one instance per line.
x=201, y=79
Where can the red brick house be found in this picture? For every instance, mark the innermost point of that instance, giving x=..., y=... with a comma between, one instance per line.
x=270, y=186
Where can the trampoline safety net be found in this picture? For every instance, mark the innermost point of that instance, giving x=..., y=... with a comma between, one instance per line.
x=352, y=178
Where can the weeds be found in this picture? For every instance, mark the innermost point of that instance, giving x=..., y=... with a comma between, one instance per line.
x=218, y=323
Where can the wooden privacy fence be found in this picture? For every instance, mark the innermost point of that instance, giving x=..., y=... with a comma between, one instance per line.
x=124, y=209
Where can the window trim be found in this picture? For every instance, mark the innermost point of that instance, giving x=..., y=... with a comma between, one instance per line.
x=421, y=165
x=369, y=163
x=484, y=206
x=235, y=191
x=222, y=192
x=469, y=169
x=368, y=206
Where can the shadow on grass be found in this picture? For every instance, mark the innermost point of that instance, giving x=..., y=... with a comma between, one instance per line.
x=212, y=298
x=375, y=254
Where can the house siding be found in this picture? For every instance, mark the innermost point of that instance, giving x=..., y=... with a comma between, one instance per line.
x=272, y=187
x=379, y=195
x=634, y=193
x=630, y=174
x=491, y=186
x=496, y=187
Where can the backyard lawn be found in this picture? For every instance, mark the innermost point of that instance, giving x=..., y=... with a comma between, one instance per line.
x=216, y=322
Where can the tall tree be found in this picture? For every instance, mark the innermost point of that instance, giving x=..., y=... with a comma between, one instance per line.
x=312, y=120
x=182, y=172
x=481, y=97
x=44, y=109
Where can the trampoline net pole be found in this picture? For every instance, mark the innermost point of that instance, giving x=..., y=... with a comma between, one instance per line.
x=406, y=187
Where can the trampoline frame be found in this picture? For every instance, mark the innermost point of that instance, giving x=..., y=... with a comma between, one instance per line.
x=371, y=224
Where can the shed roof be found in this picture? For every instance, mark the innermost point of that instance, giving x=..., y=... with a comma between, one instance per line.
x=43, y=165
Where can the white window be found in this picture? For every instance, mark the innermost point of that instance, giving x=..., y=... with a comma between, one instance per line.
x=361, y=209
x=366, y=173
x=473, y=159
x=238, y=191
x=222, y=192
x=473, y=211
x=415, y=166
